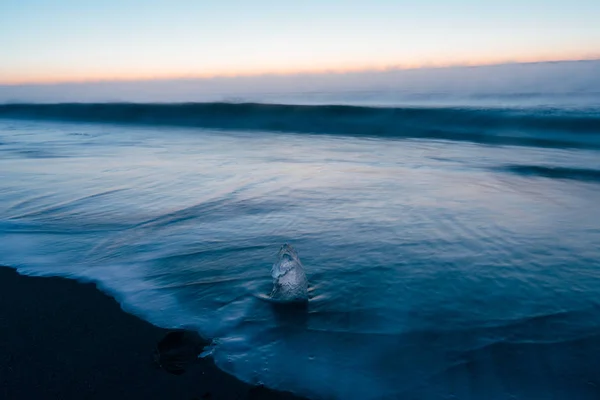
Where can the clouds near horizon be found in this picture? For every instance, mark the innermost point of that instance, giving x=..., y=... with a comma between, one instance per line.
x=397, y=86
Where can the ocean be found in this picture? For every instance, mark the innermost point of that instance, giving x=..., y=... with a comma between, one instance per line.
x=452, y=251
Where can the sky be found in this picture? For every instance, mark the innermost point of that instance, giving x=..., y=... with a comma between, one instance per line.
x=45, y=41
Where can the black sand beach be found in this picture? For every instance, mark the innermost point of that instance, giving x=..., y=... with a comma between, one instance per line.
x=60, y=339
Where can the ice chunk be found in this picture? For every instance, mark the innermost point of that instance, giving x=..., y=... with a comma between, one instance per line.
x=289, y=280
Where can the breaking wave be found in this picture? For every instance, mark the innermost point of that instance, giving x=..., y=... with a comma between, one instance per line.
x=545, y=127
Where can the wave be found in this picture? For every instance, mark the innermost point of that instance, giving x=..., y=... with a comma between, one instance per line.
x=576, y=174
x=529, y=127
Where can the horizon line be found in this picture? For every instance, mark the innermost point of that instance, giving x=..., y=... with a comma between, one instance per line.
x=280, y=73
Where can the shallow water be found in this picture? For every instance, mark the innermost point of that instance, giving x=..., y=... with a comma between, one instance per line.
x=437, y=268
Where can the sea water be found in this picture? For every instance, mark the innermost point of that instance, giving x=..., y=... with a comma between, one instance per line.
x=451, y=252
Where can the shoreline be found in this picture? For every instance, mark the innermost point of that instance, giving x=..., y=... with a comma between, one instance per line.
x=63, y=339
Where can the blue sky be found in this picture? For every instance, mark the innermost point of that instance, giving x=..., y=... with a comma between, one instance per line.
x=75, y=40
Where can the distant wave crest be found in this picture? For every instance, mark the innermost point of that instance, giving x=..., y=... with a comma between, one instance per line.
x=529, y=127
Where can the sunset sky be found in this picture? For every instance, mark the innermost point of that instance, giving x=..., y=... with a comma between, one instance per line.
x=80, y=40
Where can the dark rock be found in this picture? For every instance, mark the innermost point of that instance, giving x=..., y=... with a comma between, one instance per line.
x=178, y=350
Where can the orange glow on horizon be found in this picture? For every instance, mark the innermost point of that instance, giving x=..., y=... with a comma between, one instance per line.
x=70, y=77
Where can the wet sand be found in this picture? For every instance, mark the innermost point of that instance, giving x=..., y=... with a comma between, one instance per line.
x=61, y=339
